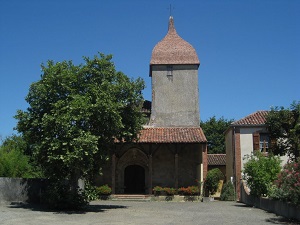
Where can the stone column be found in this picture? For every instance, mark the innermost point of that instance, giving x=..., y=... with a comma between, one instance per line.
x=113, y=174
x=150, y=174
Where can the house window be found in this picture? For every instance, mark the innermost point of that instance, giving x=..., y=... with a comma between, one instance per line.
x=170, y=72
x=261, y=142
x=264, y=142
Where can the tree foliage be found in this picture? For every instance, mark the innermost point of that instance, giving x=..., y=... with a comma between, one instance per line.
x=75, y=114
x=260, y=172
x=13, y=160
x=287, y=186
x=212, y=180
x=284, y=127
x=214, y=131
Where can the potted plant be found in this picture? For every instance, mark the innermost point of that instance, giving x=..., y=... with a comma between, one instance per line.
x=104, y=192
x=158, y=190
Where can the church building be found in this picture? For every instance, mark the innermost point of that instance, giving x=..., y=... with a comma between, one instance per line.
x=172, y=149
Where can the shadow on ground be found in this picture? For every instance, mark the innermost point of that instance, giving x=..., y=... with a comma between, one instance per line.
x=273, y=220
x=43, y=208
x=282, y=220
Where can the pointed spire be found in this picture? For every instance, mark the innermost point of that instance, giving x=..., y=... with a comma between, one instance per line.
x=171, y=28
x=172, y=49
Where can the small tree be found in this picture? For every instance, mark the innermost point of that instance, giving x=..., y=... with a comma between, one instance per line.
x=211, y=182
x=260, y=172
x=227, y=193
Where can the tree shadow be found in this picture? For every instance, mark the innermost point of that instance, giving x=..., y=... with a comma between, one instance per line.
x=282, y=220
x=95, y=208
x=272, y=220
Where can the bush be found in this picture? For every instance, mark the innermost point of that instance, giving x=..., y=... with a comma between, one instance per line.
x=211, y=182
x=191, y=190
x=90, y=192
x=260, y=171
x=227, y=193
x=62, y=196
x=287, y=186
x=158, y=190
x=170, y=191
x=103, y=190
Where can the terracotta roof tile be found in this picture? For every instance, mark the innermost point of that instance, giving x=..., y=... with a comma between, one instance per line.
x=172, y=49
x=257, y=118
x=216, y=159
x=172, y=135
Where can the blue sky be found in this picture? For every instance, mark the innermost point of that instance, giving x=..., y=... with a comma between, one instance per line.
x=249, y=50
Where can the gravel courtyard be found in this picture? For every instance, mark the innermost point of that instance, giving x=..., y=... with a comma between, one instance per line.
x=121, y=212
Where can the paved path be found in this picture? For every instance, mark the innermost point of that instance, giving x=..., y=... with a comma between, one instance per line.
x=142, y=213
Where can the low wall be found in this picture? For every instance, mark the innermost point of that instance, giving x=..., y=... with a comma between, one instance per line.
x=284, y=209
x=21, y=190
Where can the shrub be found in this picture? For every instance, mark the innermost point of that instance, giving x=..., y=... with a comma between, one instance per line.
x=103, y=190
x=260, y=171
x=60, y=195
x=90, y=192
x=158, y=190
x=227, y=193
x=287, y=186
x=211, y=182
x=191, y=190
x=170, y=191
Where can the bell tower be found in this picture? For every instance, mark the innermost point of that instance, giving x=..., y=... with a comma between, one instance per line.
x=174, y=71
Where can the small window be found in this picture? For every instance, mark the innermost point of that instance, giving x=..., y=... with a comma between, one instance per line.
x=169, y=72
x=264, y=141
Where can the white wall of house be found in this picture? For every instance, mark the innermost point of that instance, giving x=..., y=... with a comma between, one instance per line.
x=247, y=142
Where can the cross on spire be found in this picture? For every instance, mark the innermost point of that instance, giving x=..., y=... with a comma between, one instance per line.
x=170, y=8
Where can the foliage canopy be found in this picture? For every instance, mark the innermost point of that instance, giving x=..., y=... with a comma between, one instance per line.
x=284, y=127
x=214, y=130
x=260, y=172
x=13, y=159
x=77, y=112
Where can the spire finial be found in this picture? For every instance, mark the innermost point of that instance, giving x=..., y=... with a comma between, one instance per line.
x=171, y=28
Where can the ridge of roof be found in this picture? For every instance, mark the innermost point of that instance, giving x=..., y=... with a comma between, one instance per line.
x=256, y=118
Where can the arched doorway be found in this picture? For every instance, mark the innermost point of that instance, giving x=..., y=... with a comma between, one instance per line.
x=134, y=179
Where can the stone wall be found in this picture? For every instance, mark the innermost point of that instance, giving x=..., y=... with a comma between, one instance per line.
x=175, y=99
x=285, y=209
x=20, y=190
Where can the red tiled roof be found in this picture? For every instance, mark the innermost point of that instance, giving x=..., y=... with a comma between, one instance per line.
x=216, y=159
x=172, y=135
x=257, y=118
x=172, y=49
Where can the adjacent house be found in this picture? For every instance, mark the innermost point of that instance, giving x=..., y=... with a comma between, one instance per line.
x=242, y=138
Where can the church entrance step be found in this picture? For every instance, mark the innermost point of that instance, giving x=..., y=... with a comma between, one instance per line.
x=123, y=197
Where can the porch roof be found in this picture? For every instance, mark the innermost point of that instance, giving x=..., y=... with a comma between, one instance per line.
x=216, y=159
x=172, y=135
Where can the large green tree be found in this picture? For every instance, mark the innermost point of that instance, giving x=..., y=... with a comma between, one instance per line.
x=284, y=127
x=77, y=112
x=214, y=131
